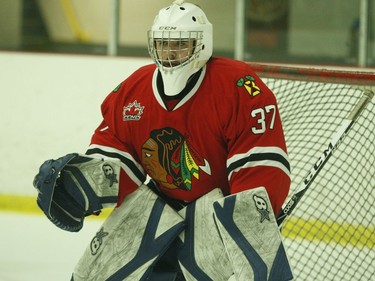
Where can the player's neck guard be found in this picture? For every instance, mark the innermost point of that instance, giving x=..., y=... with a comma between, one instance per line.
x=175, y=81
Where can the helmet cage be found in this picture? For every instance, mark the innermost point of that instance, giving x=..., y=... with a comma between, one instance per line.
x=172, y=50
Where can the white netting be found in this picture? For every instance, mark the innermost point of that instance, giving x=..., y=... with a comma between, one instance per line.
x=331, y=233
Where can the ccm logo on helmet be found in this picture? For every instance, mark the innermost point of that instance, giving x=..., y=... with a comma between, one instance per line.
x=167, y=28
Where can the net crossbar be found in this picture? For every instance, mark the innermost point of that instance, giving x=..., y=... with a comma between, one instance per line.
x=331, y=233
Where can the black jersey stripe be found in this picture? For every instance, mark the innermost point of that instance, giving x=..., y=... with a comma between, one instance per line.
x=256, y=157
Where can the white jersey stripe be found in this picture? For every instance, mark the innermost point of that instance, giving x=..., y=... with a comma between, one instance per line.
x=259, y=156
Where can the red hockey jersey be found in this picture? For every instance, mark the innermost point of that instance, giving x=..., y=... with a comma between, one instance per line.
x=224, y=133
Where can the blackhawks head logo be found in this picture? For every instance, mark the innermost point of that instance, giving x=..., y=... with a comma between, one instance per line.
x=170, y=159
x=248, y=82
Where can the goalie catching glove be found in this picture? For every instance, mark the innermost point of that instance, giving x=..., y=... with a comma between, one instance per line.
x=75, y=186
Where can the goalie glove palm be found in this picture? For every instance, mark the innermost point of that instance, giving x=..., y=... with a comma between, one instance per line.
x=75, y=186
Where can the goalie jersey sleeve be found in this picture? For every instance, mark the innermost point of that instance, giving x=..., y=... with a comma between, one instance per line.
x=225, y=132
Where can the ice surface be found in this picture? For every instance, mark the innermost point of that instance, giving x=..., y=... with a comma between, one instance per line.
x=33, y=249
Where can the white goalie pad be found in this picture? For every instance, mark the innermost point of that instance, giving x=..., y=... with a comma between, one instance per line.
x=251, y=237
x=202, y=255
x=130, y=240
x=93, y=179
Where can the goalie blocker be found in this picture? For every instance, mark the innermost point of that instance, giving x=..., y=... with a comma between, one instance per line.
x=75, y=186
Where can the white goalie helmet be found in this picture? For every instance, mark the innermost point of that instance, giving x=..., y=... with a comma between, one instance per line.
x=180, y=43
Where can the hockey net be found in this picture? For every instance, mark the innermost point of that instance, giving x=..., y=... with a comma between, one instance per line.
x=331, y=233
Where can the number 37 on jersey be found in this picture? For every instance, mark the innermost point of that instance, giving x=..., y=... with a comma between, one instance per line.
x=264, y=117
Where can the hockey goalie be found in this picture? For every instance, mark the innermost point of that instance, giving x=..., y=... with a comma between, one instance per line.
x=207, y=135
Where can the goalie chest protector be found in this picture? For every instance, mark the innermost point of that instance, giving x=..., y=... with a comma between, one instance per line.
x=186, y=149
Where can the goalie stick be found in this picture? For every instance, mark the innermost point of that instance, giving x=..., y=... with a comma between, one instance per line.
x=334, y=143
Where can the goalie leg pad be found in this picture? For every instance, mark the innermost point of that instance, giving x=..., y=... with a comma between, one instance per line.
x=131, y=239
x=251, y=236
x=202, y=256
